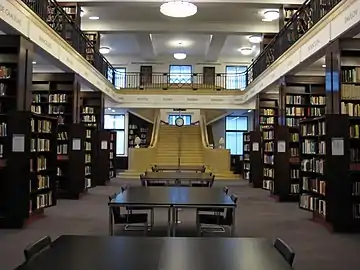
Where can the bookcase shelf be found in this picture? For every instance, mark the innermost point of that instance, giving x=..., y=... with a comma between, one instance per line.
x=139, y=128
x=94, y=44
x=301, y=98
x=92, y=109
x=112, y=154
x=28, y=167
x=57, y=95
x=253, y=158
x=330, y=170
x=268, y=120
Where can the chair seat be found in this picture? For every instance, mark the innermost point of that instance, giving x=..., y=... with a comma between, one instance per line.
x=216, y=210
x=131, y=218
x=213, y=219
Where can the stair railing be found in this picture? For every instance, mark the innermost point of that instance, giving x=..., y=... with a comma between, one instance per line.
x=155, y=133
x=204, y=135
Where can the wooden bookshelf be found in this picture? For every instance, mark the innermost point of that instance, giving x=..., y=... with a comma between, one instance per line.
x=92, y=109
x=300, y=98
x=57, y=94
x=101, y=161
x=94, y=38
x=330, y=170
x=253, y=158
x=139, y=128
x=71, y=169
x=268, y=119
x=112, y=154
x=28, y=172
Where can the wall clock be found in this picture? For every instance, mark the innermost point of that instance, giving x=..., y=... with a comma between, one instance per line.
x=179, y=121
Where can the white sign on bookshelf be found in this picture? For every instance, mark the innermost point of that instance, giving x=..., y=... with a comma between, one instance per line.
x=281, y=147
x=255, y=146
x=76, y=144
x=18, y=143
x=104, y=145
x=337, y=146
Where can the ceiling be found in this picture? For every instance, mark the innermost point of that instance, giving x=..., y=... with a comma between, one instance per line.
x=137, y=30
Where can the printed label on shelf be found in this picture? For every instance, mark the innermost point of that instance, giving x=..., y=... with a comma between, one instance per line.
x=18, y=143
x=255, y=146
x=281, y=147
x=104, y=145
x=76, y=144
x=337, y=146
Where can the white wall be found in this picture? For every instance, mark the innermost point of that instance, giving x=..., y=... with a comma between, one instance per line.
x=164, y=114
x=126, y=141
x=132, y=64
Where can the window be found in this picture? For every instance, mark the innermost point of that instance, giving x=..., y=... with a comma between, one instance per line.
x=180, y=74
x=120, y=78
x=172, y=118
x=117, y=123
x=236, y=77
x=235, y=126
x=110, y=74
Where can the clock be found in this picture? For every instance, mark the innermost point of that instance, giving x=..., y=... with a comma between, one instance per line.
x=179, y=121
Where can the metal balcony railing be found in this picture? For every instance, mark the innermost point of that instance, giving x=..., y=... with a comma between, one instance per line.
x=305, y=18
x=194, y=81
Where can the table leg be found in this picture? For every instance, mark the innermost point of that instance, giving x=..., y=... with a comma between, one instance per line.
x=169, y=222
x=174, y=220
x=234, y=221
x=110, y=221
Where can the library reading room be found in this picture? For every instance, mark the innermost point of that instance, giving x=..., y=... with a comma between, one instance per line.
x=179, y=134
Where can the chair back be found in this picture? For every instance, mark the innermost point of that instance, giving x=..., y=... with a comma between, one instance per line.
x=230, y=211
x=285, y=250
x=142, y=180
x=226, y=190
x=123, y=188
x=34, y=249
x=211, y=183
x=115, y=210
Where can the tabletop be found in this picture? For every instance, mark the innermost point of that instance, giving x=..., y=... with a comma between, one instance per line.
x=177, y=175
x=180, y=167
x=151, y=253
x=168, y=196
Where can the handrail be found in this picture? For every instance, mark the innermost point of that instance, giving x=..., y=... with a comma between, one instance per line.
x=204, y=140
x=155, y=132
x=302, y=21
x=205, y=131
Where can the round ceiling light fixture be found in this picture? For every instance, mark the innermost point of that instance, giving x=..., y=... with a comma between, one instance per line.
x=271, y=15
x=246, y=50
x=178, y=9
x=180, y=56
x=104, y=50
x=255, y=39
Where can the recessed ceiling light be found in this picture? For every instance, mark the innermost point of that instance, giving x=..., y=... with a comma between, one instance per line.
x=249, y=110
x=104, y=50
x=324, y=66
x=113, y=110
x=179, y=56
x=255, y=39
x=271, y=15
x=246, y=50
x=178, y=9
x=82, y=13
x=94, y=18
x=34, y=62
x=109, y=109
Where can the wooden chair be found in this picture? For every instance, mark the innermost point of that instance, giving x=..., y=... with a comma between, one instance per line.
x=129, y=218
x=32, y=250
x=285, y=250
x=215, y=219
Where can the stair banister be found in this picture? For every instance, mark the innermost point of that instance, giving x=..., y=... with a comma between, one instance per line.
x=155, y=133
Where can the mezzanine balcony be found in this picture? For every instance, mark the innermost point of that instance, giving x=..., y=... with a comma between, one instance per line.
x=192, y=83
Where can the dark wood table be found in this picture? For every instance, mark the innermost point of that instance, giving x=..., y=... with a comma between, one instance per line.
x=178, y=178
x=188, y=168
x=152, y=253
x=172, y=198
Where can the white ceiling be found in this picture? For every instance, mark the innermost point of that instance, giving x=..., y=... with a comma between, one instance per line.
x=218, y=30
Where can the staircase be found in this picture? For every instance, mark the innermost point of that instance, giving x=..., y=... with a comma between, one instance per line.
x=179, y=144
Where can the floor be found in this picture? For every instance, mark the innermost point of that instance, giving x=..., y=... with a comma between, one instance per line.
x=257, y=216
